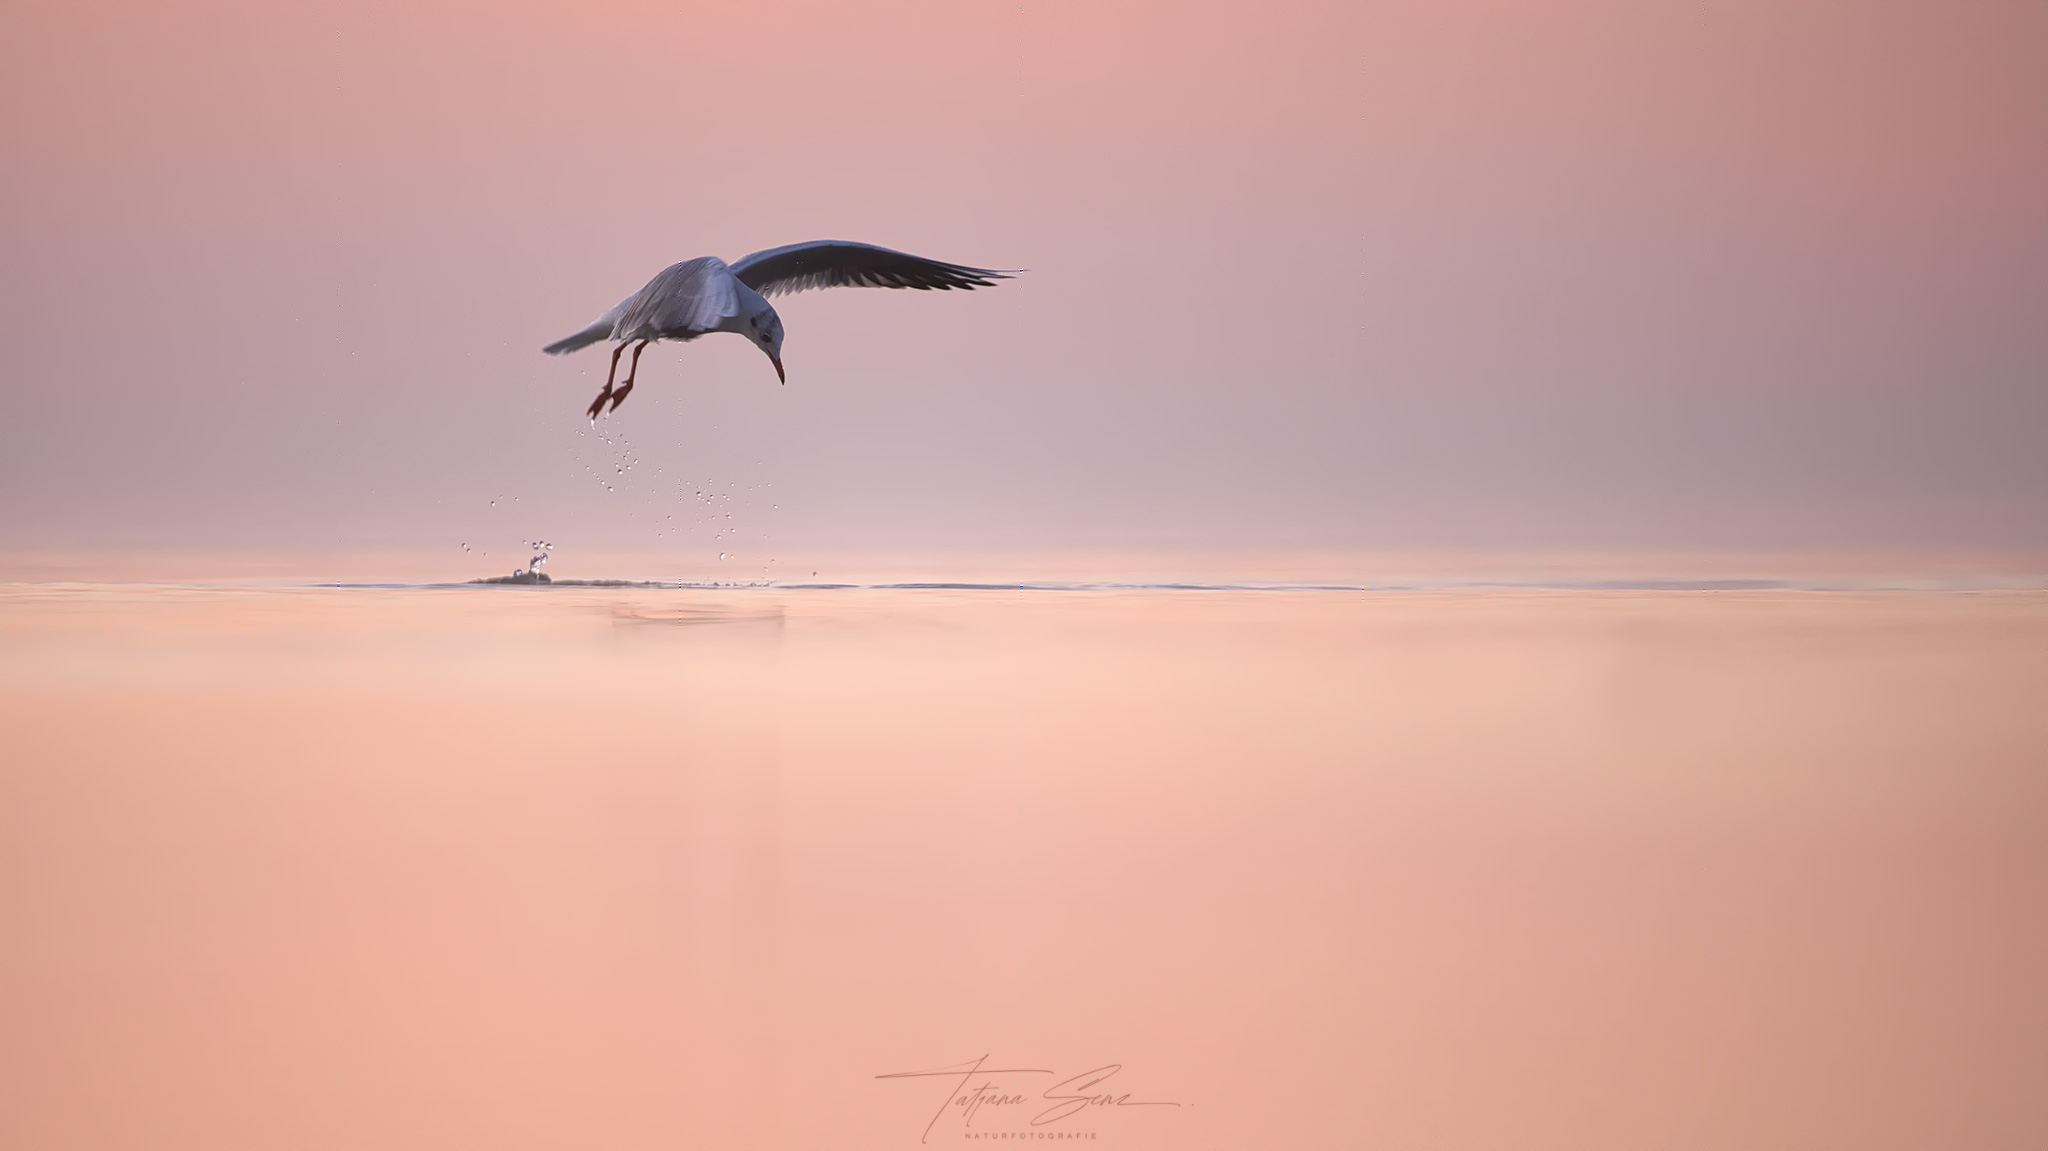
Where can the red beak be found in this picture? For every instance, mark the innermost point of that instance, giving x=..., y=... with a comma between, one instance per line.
x=777, y=361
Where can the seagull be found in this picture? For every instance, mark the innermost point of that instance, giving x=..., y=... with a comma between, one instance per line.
x=707, y=294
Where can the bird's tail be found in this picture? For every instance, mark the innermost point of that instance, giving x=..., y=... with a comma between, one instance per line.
x=601, y=330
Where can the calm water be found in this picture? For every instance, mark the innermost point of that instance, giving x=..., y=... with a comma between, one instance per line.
x=1609, y=865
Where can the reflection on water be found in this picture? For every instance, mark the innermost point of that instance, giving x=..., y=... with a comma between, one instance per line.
x=1596, y=864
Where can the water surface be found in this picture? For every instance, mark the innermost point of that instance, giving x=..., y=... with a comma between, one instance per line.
x=1617, y=864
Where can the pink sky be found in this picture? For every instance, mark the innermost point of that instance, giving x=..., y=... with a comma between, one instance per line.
x=1306, y=274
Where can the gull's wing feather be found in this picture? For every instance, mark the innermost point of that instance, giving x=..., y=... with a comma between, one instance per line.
x=682, y=302
x=844, y=264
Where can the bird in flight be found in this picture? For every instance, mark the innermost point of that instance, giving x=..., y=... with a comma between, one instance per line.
x=706, y=295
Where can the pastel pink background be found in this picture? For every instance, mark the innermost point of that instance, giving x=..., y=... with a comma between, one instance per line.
x=1541, y=863
x=1302, y=273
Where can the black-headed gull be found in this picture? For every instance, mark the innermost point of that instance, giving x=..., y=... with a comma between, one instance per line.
x=706, y=295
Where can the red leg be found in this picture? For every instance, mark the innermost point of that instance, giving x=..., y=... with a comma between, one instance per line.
x=632, y=369
x=597, y=405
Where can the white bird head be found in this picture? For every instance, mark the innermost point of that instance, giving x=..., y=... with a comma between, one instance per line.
x=765, y=329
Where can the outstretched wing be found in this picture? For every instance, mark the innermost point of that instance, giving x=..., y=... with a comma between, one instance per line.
x=844, y=264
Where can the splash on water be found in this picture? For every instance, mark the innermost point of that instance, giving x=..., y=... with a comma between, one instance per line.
x=531, y=573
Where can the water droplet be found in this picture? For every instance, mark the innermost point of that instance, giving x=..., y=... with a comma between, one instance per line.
x=721, y=555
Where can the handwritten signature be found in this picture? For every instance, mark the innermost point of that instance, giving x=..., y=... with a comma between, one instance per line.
x=1068, y=1097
